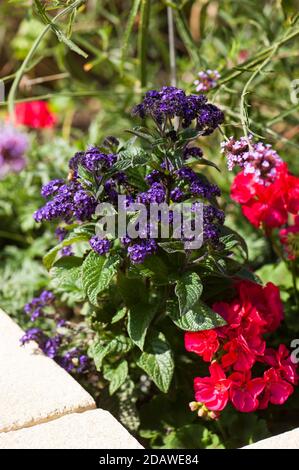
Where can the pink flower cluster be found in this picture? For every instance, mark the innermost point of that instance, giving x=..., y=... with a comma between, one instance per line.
x=256, y=159
x=237, y=347
x=207, y=80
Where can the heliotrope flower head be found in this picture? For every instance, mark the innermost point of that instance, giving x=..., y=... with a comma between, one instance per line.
x=171, y=102
x=35, y=308
x=13, y=145
x=206, y=80
x=100, y=245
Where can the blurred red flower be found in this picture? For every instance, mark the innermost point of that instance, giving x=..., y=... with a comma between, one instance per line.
x=35, y=114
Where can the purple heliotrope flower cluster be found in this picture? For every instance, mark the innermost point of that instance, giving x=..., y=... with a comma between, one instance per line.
x=207, y=80
x=93, y=177
x=73, y=360
x=171, y=102
x=13, y=146
x=254, y=158
x=35, y=308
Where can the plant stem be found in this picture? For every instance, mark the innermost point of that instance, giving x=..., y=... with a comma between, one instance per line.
x=22, y=69
x=171, y=46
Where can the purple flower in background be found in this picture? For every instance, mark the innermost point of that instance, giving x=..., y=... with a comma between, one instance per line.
x=207, y=80
x=35, y=307
x=100, y=245
x=13, y=145
x=74, y=361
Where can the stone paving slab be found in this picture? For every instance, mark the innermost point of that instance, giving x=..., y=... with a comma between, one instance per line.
x=96, y=429
x=33, y=388
x=286, y=440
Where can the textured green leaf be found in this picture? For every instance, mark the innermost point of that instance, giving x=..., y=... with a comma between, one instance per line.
x=200, y=317
x=99, y=350
x=97, y=274
x=188, y=290
x=157, y=361
x=50, y=257
x=172, y=247
x=139, y=319
x=116, y=376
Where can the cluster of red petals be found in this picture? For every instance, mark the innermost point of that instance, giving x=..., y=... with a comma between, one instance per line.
x=267, y=204
x=235, y=348
x=35, y=114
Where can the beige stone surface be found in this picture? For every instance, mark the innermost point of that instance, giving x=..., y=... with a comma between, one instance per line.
x=96, y=429
x=286, y=440
x=33, y=388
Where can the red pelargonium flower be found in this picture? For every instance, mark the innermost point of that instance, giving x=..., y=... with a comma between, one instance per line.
x=238, y=354
x=268, y=308
x=276, y=390
x=267, y=204
x=203, y=343
x=213, y=390
x=244, y=391
x=35, y=114
x=281, y=360
x=289, y=238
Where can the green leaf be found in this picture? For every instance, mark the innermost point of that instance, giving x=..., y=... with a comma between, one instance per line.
x=119, y=315
x=50, y=257
x=188, y=290
x=130, y=159
x=128, y=30
x=97, y=274
x=276, y=273
x=200, y=318
x=116, y=376
x=66, y=277
x=99, y=349
x=139, y=319
x=154, y=267
x=157, y=361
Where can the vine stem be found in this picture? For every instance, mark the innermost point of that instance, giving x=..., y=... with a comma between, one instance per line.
x=171, y=41
x=22, y=69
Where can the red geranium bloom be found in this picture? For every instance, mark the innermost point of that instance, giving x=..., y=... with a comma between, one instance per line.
x=266, y=301
x=281, y=360
x=239, y=355
x=276, y=390
x=203, y=343
x=267, y=204
x=244, y=391
x=35, y=114
x=289, y=238
x=213, y=390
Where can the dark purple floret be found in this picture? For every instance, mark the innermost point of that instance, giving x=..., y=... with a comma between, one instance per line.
x=67, y=251
x=141, y=249
x=177, y=195
x=155, y=176
x=51, y=188
x=51, y=346
x=156, y=194
x=187, y=174
x=34, y=308
x=100, y=245
x=33, y=334
x=70, y=202
x=194, y=152
x=209, y=118
x=60, y=233
x=74, y=361
x=94, y=160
